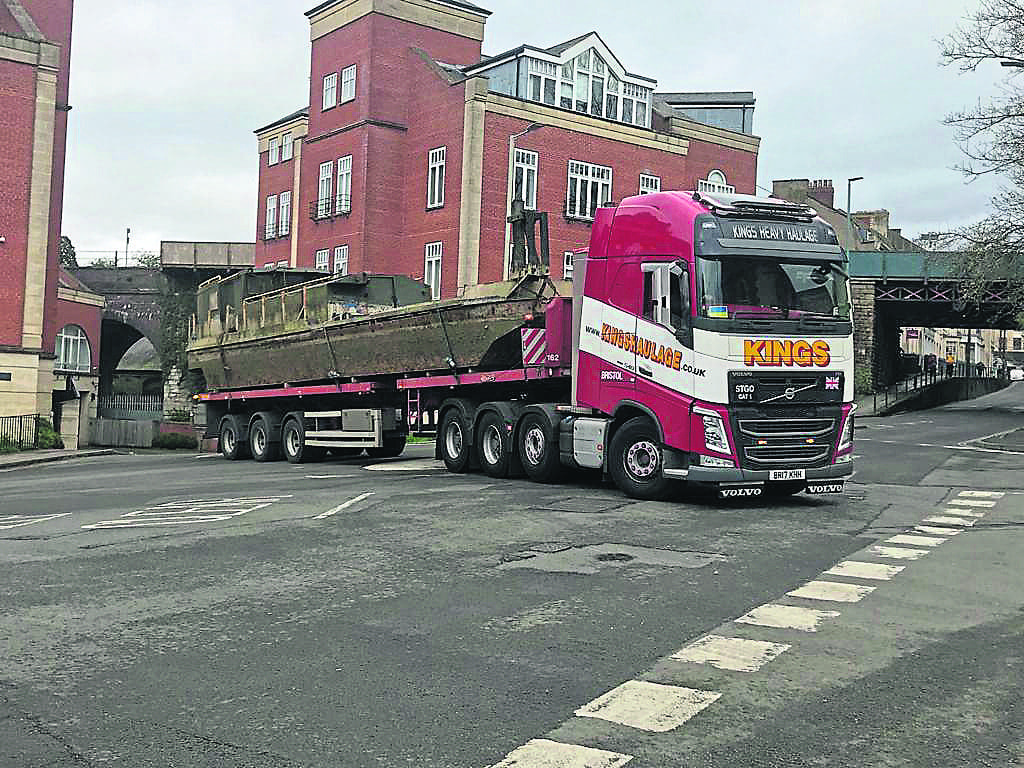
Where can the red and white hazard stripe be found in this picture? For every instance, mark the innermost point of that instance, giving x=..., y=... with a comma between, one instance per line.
x=534, y=346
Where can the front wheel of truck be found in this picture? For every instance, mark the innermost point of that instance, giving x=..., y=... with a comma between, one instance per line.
x=636, y=461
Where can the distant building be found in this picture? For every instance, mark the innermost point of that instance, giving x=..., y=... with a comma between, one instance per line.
x=35, y=63
x=414, y=145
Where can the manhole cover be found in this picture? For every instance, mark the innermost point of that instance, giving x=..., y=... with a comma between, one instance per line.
x=615, y=557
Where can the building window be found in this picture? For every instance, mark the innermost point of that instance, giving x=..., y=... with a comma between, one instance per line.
x=330, y=90
x=323, y=194
x=435, y=178
x=432, y=269
x=73, y=352
x=285, y=227
x=649, y=184
x=343, y=202
x=568, y=261
x=348, y=84
x=341, y=260
x=274, y=151
x=543, y=81
x=1017, y=344
x=590, y=186
x=322, y=261
x=282, y=264
x=526, y=178
x=589, y=85
x=715, y=182
x=270, y=225
x=287, y=147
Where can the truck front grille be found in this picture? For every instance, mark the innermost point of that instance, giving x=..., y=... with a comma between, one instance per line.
x=794, y=456
x=800, y=437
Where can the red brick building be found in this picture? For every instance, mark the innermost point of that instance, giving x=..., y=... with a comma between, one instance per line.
x=414, y=144
x=35, y=56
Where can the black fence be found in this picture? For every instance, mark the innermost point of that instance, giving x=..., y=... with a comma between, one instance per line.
x=884, y=396
x=19, y=431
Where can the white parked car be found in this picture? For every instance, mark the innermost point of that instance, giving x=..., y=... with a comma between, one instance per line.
x=1017, y=374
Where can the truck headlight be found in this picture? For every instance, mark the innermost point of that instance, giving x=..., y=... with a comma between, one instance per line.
x=846, y=436
x=715, y=438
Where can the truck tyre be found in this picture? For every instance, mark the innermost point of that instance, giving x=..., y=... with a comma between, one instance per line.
x=494, y=445
x=636, y=461
x=231, y=445
x=293, y=443
x=537, y=454
x=393, y=446
x=453, y=439
x=260, y=444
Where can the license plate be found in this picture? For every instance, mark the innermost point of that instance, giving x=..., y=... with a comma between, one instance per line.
x=787, y=474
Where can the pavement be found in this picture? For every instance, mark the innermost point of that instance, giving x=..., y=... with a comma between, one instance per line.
x=177, y=609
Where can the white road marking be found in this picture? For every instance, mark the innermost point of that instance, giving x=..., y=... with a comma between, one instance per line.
x=898, y=553
x=865, y=570
x=971, y=503
x=189, y=511
x=409, y=465
x=327, y=477
x=344, y=505
x=944, y=447
x=983, y=494
x=963, y=512
x=918, y=541
x=787, y=617
x=207, y=456
x=734, y=653
x=649, y=706
x=832, y=591
x=941, y=520
x=934, y=529
x=20, y=521
x=543, y=753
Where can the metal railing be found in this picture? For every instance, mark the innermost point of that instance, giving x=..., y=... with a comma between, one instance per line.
x=19, y=431
x=329, y=207
x=918, y=381
x=129, y=405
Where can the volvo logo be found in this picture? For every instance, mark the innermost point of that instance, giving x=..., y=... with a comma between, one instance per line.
x=790, y=393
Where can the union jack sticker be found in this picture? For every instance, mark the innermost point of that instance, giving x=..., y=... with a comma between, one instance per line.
x=831, y=382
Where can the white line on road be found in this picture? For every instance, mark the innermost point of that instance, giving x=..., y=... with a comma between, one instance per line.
x=543, y=753
x=944, y=447
x=734, y=653
x=206, y=456
x=860, y=570
x=971, y=503
x=963, y=513
x=941, y=520
x=649, y=706
x=787, y=617
x=344, y=506
x=934, y=530
x=328, y=477
x=20, y=521
x=983, y=494
x=832, y=591
x=898, y=553
x=917, y=541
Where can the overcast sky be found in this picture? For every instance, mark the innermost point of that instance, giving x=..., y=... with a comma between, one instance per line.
x=166, y=94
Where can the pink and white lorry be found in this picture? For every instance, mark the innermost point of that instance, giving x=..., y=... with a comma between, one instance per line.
x=708, y=339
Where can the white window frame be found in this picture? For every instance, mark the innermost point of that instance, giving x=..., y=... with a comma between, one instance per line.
x=270, y=223
x=283, y=264
x=274, y=151
x=583, y=178
x=715, y=182
x=343, y=199
x=341, y=260
x=649, y=183
x=284, y=225
x=74, y=354
x=322, y=259
x=432, y=259
x=348, y=84
x=330, y=98
x=435, y=177
x=543, y=74
x=287, y=147
x=527, y=165
x=568, y=265
x=325, y=186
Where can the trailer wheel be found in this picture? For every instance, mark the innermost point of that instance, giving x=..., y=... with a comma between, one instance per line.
x=293, y=443
x=260, y=444
x=231, y=445
x=453, y=437
x=636, y=461
x=393, y=446
x=538, y=456
x=494, y=445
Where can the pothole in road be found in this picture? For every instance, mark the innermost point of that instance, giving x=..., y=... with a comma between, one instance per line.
x=590, y=559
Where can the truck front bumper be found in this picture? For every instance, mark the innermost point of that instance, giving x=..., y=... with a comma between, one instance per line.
x=717, y=475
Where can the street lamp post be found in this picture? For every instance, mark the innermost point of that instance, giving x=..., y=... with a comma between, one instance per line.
x=511, y=187
x=849, y=215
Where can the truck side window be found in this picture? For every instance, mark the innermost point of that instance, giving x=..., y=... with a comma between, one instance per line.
x=666, y=290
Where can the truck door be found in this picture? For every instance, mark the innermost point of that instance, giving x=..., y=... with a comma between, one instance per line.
x=617, y=366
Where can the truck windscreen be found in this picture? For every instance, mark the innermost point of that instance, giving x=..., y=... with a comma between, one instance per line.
x=739, y=287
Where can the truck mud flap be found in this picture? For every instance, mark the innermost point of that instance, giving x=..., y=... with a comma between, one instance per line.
x=833, y=486
x=741, y=491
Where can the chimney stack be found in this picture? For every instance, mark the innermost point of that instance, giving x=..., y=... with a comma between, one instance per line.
x=822, y=191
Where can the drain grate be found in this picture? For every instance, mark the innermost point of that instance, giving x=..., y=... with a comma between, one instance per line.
x=615, y=557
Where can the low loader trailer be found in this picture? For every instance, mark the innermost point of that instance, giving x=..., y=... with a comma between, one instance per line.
x=706, y=338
